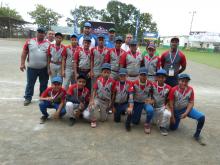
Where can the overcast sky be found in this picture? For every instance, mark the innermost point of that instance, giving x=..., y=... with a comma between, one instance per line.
x=173, y=17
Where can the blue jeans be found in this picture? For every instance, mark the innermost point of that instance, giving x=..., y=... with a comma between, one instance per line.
x=120, y=108
x=137, y=110
x=194, y=114
x=172, y=81
x=43, y=105
x=32, y=75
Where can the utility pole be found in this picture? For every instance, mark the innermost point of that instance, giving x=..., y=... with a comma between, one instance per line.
x=137, y=25
x=193, y=13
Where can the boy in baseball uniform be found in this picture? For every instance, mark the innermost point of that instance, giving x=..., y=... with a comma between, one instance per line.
x=181, y=101
x=68, y=62
x=103, y=94
x=55, y=52
x=161, y=91
x=53, y=97
x=77, y=99
x=143, y=99
x=123, y=100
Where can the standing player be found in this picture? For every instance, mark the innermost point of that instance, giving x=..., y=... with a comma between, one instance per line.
x=160, y=95
x=151, y=62
x=113, y=57
x=181, y=99
x=68, y=62
x=35, y=51
x=174, y=62
x=55, y=52
x=132, y=61
x=82, y=65
x=97, y=57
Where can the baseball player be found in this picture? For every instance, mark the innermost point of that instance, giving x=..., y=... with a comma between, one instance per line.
x=82, y=65
x=97, y=57
x=123, y=96
x=55, y=52
x=132, y=61
x=53, y=97
x=77, y=99
x=143, y=99
x=151, y=62
x=103, y=94
x=68, y=62
x=181, y=101
x=113, y=57
x=162, y=113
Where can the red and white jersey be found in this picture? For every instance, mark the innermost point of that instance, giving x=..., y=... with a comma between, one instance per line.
x=37, y=53
x=69, y=55
x=83, y=58
x=181, y=97
x=55, y=52
x=97, y=58
x=104, y=88
x=58, y=96
x=80, y=95
x=131, y=62
x=160, y=94
x=113, y=58
x=122, y=91
x=152, y=64
x=142, y=92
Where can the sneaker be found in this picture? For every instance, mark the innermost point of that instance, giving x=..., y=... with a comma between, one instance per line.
x=147, y=128
x=110, y=111
x=72, y=121
x=27, y=102
x=163, y=131
x=43, y=119
x=199, y=140
x=128, y=127
x=93, y=124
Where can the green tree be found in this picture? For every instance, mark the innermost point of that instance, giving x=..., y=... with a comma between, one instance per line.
x=12, y=13
x=82, y=14
x=44, y=16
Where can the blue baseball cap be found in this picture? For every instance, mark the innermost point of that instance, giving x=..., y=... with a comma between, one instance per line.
x=118, y=38
x=41, y=29
x=133, y=42
x=143, y=70
x=87, y=24
x=101, y=36
x=57, y=79
x=151, y=45
x=86, y=38
x=184, y=76
x=122, y=71
x=106, y=66
x=161, y=72
x=74, y=36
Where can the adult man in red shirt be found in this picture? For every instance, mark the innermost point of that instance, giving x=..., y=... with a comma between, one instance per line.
x=174, y=62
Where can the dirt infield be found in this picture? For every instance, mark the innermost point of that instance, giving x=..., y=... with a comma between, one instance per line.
x=24, y=141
